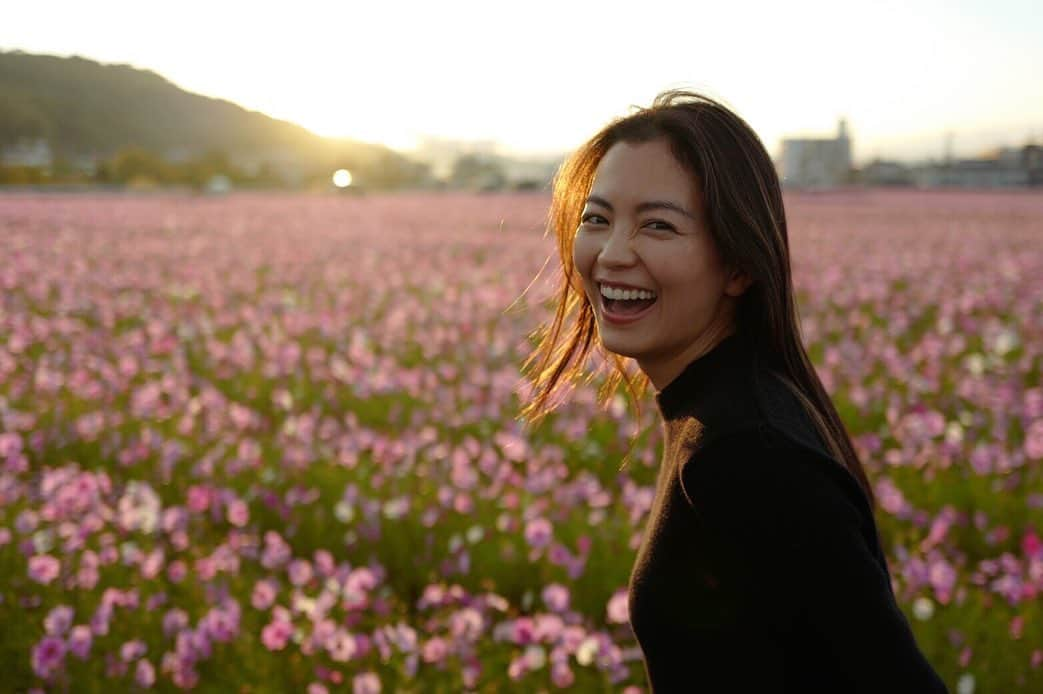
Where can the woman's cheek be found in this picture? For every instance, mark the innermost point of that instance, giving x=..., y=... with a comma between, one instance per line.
x=583, y=255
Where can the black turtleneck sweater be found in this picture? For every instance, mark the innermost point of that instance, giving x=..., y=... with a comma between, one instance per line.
x=760, y=568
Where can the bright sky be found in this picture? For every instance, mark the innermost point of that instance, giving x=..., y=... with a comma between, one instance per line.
x=541, y=76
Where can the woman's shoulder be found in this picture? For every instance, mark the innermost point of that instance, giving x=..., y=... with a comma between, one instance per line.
x=761, y=477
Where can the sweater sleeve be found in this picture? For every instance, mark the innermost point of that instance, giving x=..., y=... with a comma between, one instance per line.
x=799, y=557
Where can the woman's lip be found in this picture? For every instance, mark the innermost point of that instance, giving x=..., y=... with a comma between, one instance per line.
x=621, y=318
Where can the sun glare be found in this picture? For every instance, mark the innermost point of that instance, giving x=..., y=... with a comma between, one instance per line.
x=342, y=178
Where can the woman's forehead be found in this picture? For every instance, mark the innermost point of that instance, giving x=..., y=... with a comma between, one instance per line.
x=630, y=175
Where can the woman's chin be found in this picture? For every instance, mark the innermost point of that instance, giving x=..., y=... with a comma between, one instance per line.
x=622, y=348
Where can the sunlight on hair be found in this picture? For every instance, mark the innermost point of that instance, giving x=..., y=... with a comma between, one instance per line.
x=342, y=178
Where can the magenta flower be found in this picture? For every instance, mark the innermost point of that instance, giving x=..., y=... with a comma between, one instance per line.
x=58, y=620
x=174, y=621
x=221, y=624
x=80, y=639
x=47, y=656
x=132, y=650
x=176, y=571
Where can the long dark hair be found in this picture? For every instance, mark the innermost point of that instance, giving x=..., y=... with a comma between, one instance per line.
x=743, y=202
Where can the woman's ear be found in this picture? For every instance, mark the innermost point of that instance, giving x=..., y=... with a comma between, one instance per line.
x=738, y=283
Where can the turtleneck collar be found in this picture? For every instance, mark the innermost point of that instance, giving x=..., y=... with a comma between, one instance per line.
x=693, y=390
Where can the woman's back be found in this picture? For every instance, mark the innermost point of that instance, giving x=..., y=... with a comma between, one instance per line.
x=760, y=567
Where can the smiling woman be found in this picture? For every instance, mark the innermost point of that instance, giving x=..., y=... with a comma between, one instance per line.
x=649, y=264
x=761, y=567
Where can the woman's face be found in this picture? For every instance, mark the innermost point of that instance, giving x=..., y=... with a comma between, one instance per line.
x=643, y=233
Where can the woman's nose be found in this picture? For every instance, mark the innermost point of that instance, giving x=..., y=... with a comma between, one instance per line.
x=618, y=248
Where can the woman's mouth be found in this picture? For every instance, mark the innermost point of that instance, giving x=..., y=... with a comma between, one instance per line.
x=625, y=306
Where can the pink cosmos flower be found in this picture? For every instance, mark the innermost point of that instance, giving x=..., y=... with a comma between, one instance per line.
x=80, y=639
x=300, y=572
x=561, y=675
x=1034, y=440
x=176, y=571
x=132, y=650
x=366, y=683
x=263, y=595
x=238, y=513
x=275, y=635
x=556, y=597
x=341, y=646
x=43, y=568
x=145, y=674
x=58, y=620
x=434, y=650
x=1030, y=543
x=538, y=532
x=152, y=564
x=198, y=499
x=617, y=607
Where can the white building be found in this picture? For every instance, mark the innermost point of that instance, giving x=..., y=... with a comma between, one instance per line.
x=816, y=162
x=441, y=153
x=35, y=153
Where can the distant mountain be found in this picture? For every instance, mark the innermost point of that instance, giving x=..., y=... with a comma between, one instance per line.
x=82, y=107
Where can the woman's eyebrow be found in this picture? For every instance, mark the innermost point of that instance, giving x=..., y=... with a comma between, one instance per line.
x=647, y=205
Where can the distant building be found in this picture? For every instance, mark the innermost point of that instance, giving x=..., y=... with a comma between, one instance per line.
x=885, y=173
x=1008, y=167
x=533, y=173
x=816, y=162
x=283, y=163
x=84, y=163
x=35, y=153
x=218, y=185
x=441, y=153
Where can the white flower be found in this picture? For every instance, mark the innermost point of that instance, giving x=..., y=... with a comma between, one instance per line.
x=965, y=685
x=975, y=363
x=1005, y=342
x=535, y=657
x=923, y=608
x=396, y=508
x=344, y=512
x=43, y=540
x=586, y=651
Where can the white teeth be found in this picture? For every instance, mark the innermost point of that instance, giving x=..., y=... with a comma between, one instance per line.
x=626, y=294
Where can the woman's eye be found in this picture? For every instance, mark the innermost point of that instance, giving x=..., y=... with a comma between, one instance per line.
x=591, y=217
x=663, y=226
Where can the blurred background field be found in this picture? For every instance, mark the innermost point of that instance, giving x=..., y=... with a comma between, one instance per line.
x=269, y=442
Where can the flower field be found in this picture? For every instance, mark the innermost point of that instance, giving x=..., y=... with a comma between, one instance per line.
x=270, y=442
